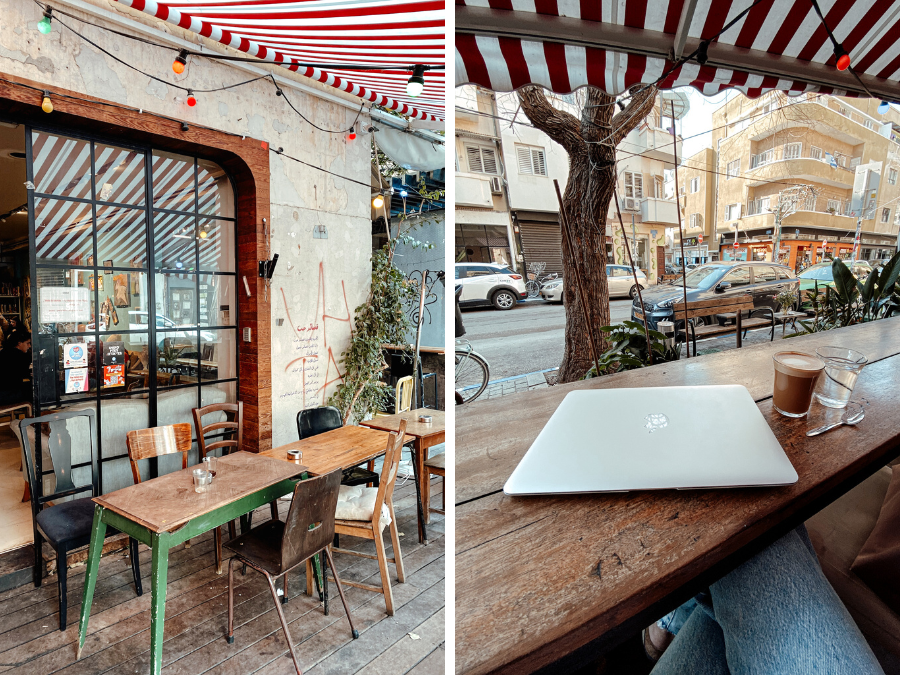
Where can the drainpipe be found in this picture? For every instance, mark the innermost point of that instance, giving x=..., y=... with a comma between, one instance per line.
x=514, y=259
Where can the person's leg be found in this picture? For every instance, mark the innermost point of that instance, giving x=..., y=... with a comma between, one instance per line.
x=779, y=616
x=698, y=648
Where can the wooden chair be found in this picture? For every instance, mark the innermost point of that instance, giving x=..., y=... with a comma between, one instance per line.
x=274, y=548
x=372, y=528
x=403, y=392
x=315, y=421
x=66, y=525
x=434, y=466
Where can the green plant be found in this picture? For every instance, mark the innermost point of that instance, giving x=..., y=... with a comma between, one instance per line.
x=629, y=349
x=786, y=300
x=170, y=354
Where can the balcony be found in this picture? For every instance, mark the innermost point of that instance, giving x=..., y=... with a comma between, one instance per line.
x=802, y=168
x=652, y=143
x=473, y=190
x=839, y=127
x=664, y=211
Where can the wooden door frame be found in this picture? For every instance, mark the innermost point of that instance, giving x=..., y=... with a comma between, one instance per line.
x=244, y=158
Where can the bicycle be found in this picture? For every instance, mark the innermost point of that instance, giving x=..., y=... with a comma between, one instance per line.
x=535, y=280
x=471, y=373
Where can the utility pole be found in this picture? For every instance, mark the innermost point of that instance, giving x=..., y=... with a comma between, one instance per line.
x=789, y=200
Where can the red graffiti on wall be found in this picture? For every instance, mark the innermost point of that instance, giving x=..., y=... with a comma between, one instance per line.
x=320, y=320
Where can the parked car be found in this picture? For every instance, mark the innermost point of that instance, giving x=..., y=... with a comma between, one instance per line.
x=762, y=280
x=620, y=280
x=489, y=284
x=822, y=274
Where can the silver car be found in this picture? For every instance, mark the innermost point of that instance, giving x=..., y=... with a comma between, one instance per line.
x=619, y=277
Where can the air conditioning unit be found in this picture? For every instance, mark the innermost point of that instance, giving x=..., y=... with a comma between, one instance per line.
x=496, y=185
x=630, y=204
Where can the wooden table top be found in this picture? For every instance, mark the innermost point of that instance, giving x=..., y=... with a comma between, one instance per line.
x=166, y=503
x=541, y=577
x=413, y=426
x=337, y=449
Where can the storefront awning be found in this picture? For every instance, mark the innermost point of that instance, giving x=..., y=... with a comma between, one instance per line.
x=399, y=33
x=778, y=45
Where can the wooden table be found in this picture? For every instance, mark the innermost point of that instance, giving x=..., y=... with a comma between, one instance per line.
x=426, y=436
x=620, y=562
x=165, y=511
x=336, y=449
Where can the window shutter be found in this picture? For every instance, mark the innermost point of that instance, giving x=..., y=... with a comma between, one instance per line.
x=523, y=157
x=489, y=160
x=537, y=160
x=475, y=165
x=638, y=185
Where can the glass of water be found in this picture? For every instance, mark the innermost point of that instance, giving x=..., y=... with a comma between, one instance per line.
x=842, y=367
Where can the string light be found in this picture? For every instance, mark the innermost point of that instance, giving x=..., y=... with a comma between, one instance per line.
x=883, y=107
x=46, y=103
x=44, y=24
x=378, y=202
x=352, y=135
x=191, y=99
x=203, y=233
x=843, y=58
x=701, y=55
x=403, y=194
x=180, y=62
x=416, y=83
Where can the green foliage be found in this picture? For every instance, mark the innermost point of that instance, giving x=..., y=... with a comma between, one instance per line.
x=786, y=300
x=629, y=349
x=851, y=301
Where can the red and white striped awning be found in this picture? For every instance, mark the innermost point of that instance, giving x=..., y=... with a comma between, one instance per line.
x=613, y=44
x=397, y=33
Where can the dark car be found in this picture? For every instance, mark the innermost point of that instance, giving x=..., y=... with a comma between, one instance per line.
x=763, y=280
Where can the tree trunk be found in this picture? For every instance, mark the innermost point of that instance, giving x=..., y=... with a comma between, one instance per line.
x=591, y=145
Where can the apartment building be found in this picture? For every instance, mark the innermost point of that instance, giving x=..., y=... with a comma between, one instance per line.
x=697, y=199
x=766, y=147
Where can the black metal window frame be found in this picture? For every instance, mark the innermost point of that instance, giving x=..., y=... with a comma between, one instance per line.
x=150, y=270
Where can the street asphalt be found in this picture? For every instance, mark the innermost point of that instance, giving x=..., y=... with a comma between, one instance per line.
x=525, y=339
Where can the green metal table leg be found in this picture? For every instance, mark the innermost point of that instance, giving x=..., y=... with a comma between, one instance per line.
x=158, y=575
x=98, y=533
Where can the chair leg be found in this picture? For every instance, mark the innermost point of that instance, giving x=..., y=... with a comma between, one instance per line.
x=385, y=578
x=309, y=577
x=337, y=582
x=324, y=582
x=444, y=494
x=284, y=626
x=284, y=592
x=370, y=466
x=232, y=531
x=37, y=572
x=426, y=494
x=273, y=506
x=395, y=542
x=135, y=565
x=217, y=535
x=230, y=637
x=61, y=576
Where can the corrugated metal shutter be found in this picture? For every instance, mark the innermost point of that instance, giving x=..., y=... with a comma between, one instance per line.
x=542, y=242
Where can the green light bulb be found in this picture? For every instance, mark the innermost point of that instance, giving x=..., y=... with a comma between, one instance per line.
x=44, y=25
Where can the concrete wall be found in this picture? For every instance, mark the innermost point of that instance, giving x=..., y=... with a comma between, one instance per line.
x=318, y=282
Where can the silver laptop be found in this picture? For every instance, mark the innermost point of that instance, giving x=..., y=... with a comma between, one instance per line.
x=655, y=438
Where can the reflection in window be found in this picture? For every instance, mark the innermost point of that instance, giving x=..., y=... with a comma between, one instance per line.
x=62, y=166
x=63, y=232
x=121, y=236
x=173, y=181
x=176, y=241
x=119, y=175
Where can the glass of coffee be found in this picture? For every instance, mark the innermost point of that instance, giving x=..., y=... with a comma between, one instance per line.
x=842, y=367
x=796, y=374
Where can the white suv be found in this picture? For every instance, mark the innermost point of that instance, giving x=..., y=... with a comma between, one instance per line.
x=489, y=284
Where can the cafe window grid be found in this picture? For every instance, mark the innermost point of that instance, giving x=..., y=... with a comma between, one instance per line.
x=147, y=241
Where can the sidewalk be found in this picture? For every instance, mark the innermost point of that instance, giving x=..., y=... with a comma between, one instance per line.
x=537, y=380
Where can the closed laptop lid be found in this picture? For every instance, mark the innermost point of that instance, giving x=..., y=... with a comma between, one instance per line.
x=652, y=438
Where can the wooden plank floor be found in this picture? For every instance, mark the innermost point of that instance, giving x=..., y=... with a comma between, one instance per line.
x=118, y=641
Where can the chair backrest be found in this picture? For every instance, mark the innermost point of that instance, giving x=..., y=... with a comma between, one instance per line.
x=234, y=421
x=403, y=395
x=60, y=449
x=158, y=441
x=715, y=306
x=309, y=526
x=389, y=469
x=314, y=421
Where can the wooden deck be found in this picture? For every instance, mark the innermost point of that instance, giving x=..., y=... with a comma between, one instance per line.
x=118, y=640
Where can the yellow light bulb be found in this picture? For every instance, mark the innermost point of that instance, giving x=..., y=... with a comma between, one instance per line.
x=378, y=202
x=47, y=105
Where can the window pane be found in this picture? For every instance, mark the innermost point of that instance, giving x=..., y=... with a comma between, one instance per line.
x=738, y=277
x=177, y=358
x=217, y=303
x=216, y=241
x=76, y=367
x=175, y=241
x=176, y=295
x=123, y=301
x=63, y=232
x=174, y=407
x=214, y=194
x=762, y=274
x=65, y=300
x=62, y=166
x=121, y=236
x=224, y=392
x=119, y=415
x=119, y=175
x=173, y=181
x=218, y=354
x=122, y=365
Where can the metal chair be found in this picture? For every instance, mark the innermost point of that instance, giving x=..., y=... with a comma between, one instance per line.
x=372, y=528
x=66, y=525
x=315, y=421
x=403, y=392
x=274, y=548
x=434, y=466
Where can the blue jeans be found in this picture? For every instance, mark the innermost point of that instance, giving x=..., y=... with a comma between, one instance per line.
x=776, y=614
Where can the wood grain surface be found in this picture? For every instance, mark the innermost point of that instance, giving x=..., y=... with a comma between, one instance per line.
x=336, y=449
x=166, y=503
x=616, y=558
x=413, y=426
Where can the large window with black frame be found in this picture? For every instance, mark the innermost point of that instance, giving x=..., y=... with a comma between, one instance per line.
x=133, y=264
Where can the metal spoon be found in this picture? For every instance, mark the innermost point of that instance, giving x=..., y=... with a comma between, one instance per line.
x=850, y=417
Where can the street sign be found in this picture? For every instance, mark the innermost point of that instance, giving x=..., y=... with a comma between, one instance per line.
x=737, y=245
x=700, y=238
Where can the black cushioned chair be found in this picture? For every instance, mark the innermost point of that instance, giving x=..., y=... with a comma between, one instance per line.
x=315, y=421
x=65, y=525
x=275, y=548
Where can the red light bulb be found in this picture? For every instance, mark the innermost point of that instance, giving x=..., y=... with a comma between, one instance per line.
x=352, y=135
x=843, y=62
x=191, y=99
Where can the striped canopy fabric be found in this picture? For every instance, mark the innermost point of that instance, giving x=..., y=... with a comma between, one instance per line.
x=613, y=44
x=394, y=33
